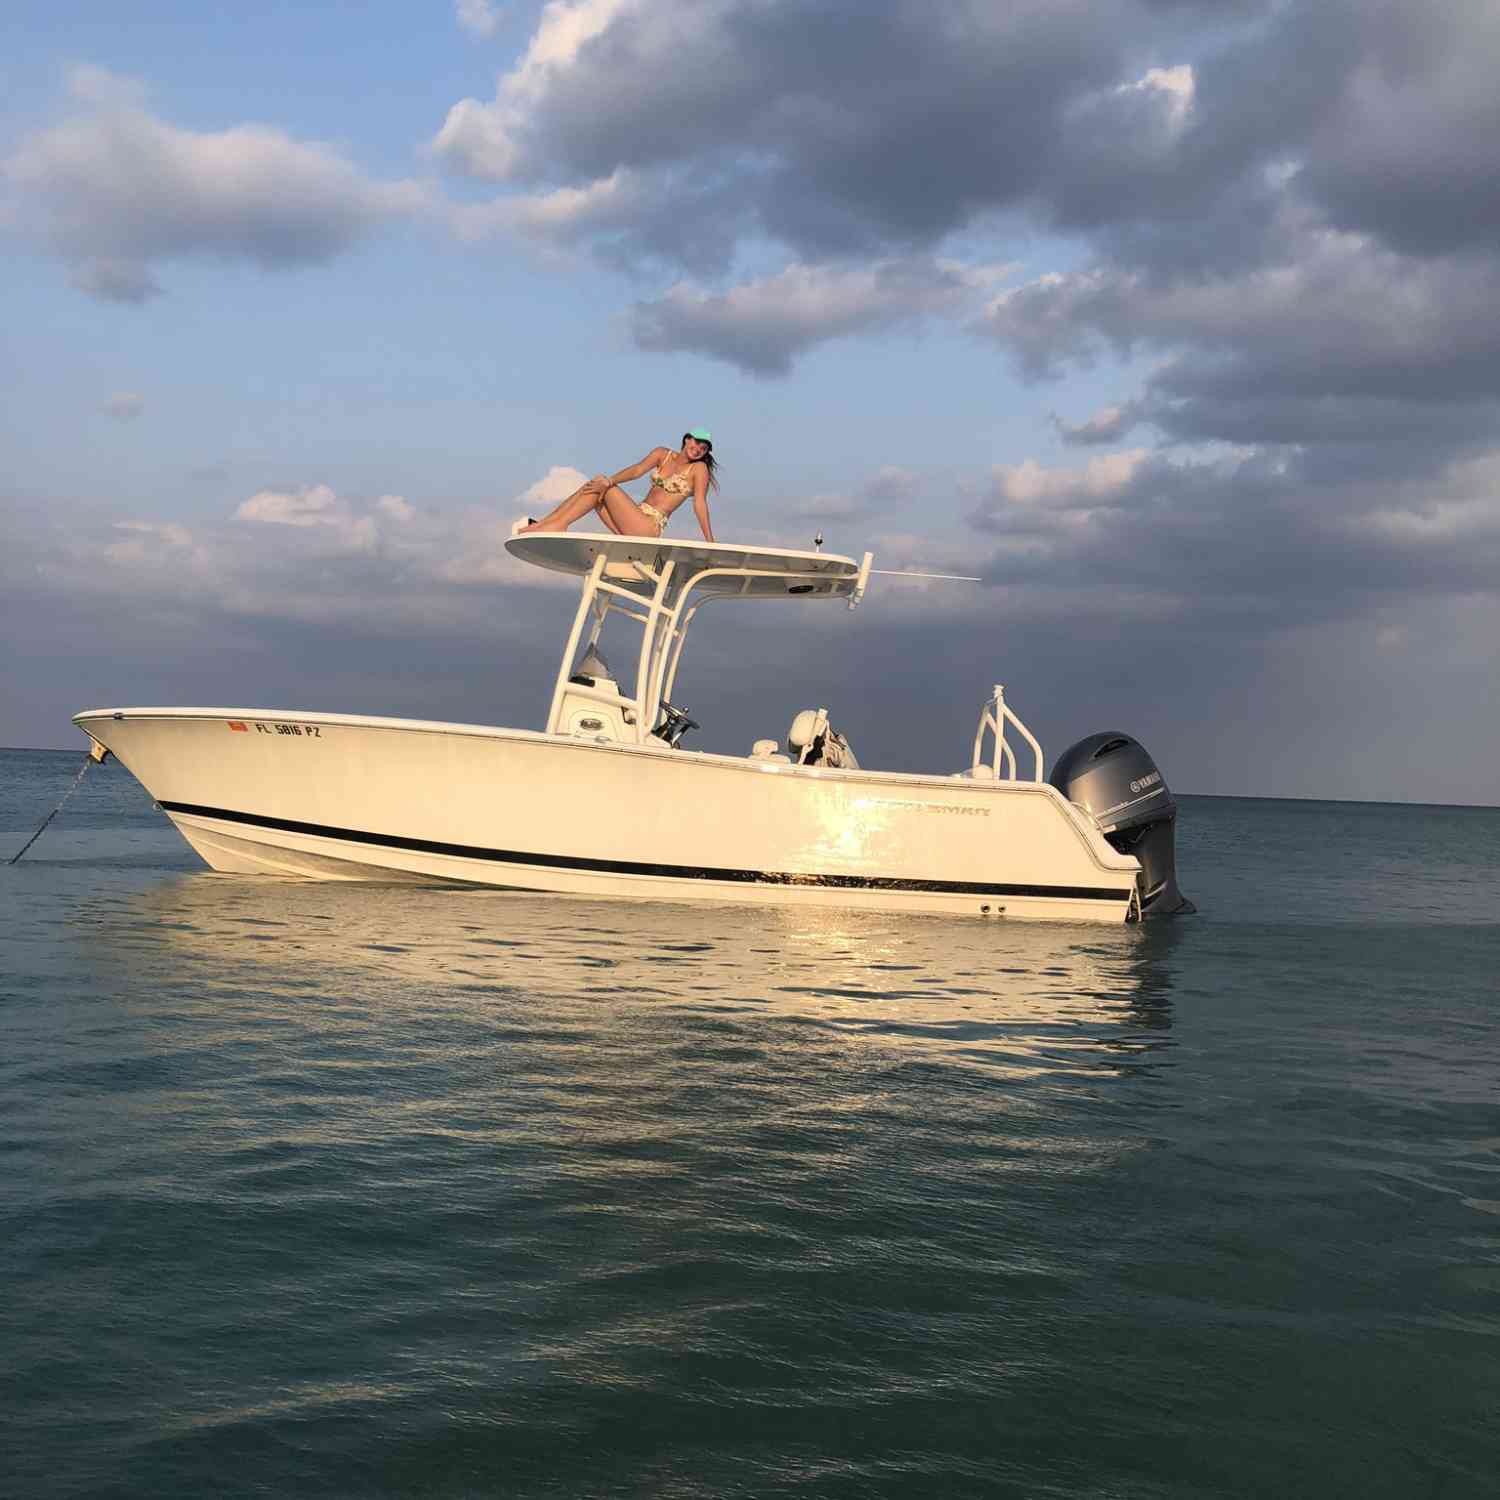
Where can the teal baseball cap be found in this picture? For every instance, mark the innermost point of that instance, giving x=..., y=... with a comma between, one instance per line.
x=701, y=433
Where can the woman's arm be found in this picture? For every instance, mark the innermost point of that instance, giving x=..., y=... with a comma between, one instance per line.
x=650, y=461
x=700, y=500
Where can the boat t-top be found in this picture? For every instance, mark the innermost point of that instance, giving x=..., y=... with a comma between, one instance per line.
x=606, y=800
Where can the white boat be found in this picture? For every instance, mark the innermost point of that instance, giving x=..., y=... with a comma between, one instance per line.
x=606, y=800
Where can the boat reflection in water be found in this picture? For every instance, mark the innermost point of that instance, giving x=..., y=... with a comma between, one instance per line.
x=574, y=974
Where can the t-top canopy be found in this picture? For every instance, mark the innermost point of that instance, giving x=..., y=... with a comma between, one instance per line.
x=634, y=562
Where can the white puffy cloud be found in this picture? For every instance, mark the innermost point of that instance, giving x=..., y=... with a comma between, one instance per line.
x=1101, y=479
x=116, y=191
x=313, y=505
x=556, y=484
x=339, y=524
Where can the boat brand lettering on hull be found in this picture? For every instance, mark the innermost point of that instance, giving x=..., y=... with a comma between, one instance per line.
x=931, y=807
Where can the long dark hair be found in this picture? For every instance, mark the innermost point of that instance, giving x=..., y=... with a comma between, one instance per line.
x=707, y=459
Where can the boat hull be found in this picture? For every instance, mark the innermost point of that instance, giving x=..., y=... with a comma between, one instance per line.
x=340, y=797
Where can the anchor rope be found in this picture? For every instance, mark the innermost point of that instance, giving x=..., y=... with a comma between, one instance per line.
x=77, y=781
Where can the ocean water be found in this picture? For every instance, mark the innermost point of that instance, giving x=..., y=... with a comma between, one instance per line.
x=326, y=1190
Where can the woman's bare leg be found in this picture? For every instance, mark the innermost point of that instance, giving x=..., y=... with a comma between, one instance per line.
x=617, y=510
x=624, y=515
x=584, y=499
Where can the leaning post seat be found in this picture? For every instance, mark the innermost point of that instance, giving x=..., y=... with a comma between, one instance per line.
x=595, y=708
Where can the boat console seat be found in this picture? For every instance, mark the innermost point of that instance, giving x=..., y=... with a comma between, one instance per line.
x=813, y=741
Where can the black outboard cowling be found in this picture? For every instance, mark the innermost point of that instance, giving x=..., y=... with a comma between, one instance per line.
x=1117, y=781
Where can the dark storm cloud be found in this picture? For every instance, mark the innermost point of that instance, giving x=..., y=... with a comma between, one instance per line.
x=1239, y=545
x=865, y=127
x=1199, y=149
x=1407, y=151
x=1335, y=338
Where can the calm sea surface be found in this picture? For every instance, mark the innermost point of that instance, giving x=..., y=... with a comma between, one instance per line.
x=316, y=1190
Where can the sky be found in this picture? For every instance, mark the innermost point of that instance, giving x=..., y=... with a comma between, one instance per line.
x=1176, y=321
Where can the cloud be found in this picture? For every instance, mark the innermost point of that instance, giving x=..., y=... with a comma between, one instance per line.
x=125, y=406
x=167, y=534
x=1144, y=130
x=116, y=191
x=761, y=326
x=160, y=556
x=313, y=505
x=340, y=524
x=556, y=484
x=904, y=123
x=300, y=553
x=1245, y=546
x=1107, y=425
x=1336, y=339
x=396, y=508
x=479, y=18
x=888, y=487
x=474, y=552
x=1101, y=479
x=480, y=139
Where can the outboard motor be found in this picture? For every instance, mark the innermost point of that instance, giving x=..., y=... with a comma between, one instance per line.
x=1116, y=780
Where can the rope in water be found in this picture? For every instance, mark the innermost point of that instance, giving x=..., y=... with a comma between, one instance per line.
x=88, y=760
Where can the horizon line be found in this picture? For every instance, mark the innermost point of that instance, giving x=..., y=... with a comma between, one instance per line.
x=1227, y=796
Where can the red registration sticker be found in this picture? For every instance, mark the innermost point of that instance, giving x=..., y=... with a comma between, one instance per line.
x=243, y=728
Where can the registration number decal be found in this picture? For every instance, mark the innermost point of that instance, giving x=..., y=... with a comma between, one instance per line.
x=300, y=731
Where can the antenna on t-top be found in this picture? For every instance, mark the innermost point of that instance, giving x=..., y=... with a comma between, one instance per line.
x=898, y=573
x=946, y=577
x=866, y=568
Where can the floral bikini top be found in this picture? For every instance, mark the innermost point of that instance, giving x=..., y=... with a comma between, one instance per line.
x=680, y=483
